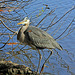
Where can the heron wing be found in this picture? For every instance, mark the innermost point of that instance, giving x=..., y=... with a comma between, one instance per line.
x=39, y=38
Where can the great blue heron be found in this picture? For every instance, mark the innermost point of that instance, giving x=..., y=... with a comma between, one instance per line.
x=35, y=37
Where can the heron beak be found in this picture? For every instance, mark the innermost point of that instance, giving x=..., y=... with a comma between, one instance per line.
x=20, y=23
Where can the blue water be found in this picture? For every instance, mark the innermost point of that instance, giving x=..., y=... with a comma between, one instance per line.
x=61, y=62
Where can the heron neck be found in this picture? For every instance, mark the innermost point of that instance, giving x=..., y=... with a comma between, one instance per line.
x=24, y=28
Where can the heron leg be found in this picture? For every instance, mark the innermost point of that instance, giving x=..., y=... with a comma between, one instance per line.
x=40, y=57
x=46, y=61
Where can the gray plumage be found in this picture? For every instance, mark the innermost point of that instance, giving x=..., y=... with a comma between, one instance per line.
x=37, y=38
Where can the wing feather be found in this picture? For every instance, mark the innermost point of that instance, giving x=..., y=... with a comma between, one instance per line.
x=39, y=38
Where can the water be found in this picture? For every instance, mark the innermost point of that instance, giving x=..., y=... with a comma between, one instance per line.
x=61, y=62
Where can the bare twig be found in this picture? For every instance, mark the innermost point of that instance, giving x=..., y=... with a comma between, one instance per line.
x=59, y=26
x=7, y=41
x=8, y=27
x=6, y=34
x=50, y=25
x=64, y=14
x=65, y=29
x=66, y=35
x=60, y=18
x=46, y=16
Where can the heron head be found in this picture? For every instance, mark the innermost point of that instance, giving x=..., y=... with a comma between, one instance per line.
x=26, y=21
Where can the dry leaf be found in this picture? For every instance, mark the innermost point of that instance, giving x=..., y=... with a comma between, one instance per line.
x=12, y=43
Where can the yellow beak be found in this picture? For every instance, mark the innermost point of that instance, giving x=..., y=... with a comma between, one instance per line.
x=20, y=23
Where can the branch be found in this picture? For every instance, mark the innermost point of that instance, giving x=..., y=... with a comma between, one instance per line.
x=66, y=35
x=6, y=34
x=65, y=29
x=7, y=41
x=64, y=14
x=60, y=18
x=59, y=26
x=50, y=25
x=8, y=27
x=46, y=16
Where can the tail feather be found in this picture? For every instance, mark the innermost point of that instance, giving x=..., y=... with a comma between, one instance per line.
x=56, y=45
